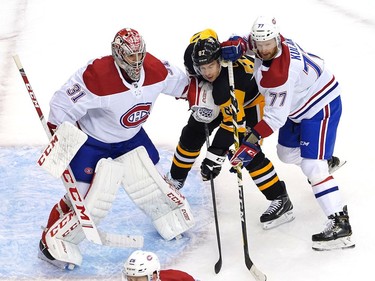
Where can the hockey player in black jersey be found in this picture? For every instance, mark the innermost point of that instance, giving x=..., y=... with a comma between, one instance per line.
x=203, y=60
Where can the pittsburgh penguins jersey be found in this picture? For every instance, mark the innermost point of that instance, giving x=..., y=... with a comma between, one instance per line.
x=246, y=91
x=106, y=106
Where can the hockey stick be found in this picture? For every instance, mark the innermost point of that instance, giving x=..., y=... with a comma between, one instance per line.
x=68, y=179
x=219, y=262
x=258, y=275
x=121, y=241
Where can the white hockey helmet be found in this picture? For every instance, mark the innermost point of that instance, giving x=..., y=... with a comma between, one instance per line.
x=141, y=263
x=264, y=28
x=128, y=42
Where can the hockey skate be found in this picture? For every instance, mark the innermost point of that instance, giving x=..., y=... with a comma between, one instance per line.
x=336, y=235
x=279, y=212
x=334, y=164
x=178, y=184
x=44, y=254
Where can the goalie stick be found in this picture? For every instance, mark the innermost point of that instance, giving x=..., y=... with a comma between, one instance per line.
x=258, y=275
x=88, y=226
x=121, y=241
x=219, y=263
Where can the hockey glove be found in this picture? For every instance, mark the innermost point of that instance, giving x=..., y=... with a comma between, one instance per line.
x=230, y=154
x=211, y=165
x=244, y=154
x=248, y=149
x=252, y=136
x=233, y=48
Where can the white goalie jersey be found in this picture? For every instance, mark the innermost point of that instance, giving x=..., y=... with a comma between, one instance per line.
x=106, y=106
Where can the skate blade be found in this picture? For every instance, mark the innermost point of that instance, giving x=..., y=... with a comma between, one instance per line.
x=335, y=168
x=59, y=264
x=287, y=217
x=340, y=243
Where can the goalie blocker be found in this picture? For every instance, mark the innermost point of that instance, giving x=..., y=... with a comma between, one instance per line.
x=168, y=209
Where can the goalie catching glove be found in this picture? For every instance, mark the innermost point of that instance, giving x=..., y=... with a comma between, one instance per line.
x=248, y=149
x=201, y=101
x=211, y=165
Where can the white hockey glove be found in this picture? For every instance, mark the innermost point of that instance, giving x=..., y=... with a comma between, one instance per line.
x=201, y=101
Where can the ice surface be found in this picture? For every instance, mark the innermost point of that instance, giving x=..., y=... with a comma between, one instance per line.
x=54, y=38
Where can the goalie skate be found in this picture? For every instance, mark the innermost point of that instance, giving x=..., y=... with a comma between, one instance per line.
x=43, y=254
x=178, y=184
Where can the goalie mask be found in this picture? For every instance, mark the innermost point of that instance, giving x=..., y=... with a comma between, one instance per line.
x=129, y=51
x=141, y=263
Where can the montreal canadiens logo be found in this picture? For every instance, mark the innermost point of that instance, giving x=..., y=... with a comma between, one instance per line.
x=135, y=116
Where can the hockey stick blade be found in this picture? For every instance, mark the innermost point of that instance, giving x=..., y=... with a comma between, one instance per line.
x=121, y=241
x=257, y=274
x=218, y=265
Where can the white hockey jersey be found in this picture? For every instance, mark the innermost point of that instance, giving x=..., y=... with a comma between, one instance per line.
x=105, y=106
x=296, y=85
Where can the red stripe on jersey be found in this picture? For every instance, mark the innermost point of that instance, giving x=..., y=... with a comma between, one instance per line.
x=102, y=79
x=263, y=129
x=155, y=70
x=278, y=72
x=101, y=76
x=323, y=131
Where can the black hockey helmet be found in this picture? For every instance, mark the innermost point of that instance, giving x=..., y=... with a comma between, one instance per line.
x=206, y=51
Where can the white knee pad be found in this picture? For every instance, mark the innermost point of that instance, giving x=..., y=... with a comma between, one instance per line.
x=315, y=170
x=289, y=155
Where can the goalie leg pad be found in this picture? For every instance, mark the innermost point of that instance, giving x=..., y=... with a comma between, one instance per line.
x=105, y=184
x=165, y=205
x=62, y=238
x=45, y=255
x=65, y=251
x=175, y=222
x=66, y=233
